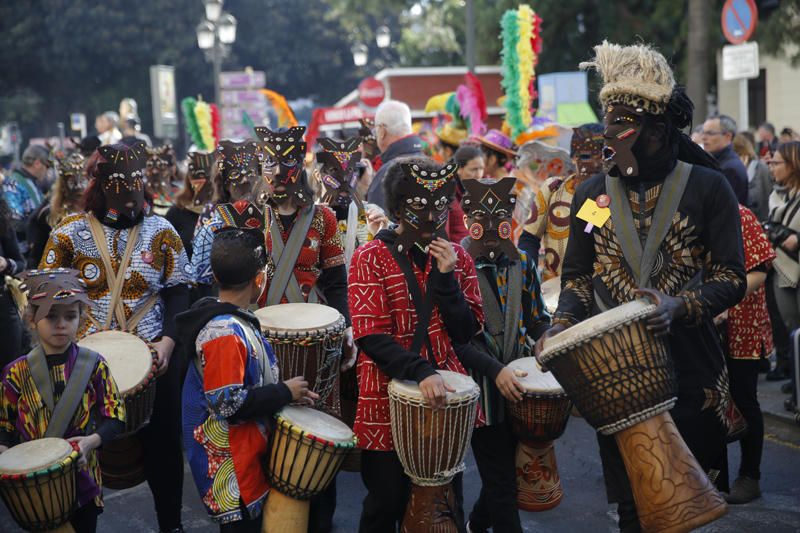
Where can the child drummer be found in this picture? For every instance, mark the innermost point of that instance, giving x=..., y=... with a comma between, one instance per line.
x=60, y=390
x=511, y=294
x=232, y=386
x=386, y=281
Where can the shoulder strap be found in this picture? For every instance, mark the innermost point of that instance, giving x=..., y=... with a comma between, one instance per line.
x=513, y=309
x=285, y=256
x=139, y=314
x=349, y=237
x=41, y=375
x=423, y=304
x=493, y=315
x=73, y=392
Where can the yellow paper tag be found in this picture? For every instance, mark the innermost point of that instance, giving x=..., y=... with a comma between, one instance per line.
x=593, y=214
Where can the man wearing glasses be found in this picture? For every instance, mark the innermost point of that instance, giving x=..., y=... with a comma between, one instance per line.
x=21, y=188
x=717, y=138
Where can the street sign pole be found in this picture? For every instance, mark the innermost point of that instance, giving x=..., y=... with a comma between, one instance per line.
x=744, y=107
x=740, y=59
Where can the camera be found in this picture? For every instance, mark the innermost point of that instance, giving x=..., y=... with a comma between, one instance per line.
x=776, y=233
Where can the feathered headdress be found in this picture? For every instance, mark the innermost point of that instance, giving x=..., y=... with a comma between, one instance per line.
x=473, y=104
x=286, y=118
x=521, y=46
x=202, y=123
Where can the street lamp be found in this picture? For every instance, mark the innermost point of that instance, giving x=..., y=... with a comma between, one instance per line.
x=383, y=37
x=215, y=35
x=213, y=9
x=205, y=35
x=226, y=28
x=360, y=54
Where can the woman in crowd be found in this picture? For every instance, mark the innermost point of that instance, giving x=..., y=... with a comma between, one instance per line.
x=471, y=165
x=11, y=263
x=499, y=154
x=758, y=177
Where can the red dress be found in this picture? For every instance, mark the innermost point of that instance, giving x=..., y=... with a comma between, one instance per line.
x=380, y=304
x=749, y=327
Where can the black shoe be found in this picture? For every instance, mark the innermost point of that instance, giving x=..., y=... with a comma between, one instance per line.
x=779, y=374
x=744, y=490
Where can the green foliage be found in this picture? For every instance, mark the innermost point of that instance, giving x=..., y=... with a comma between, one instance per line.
x=780, y=33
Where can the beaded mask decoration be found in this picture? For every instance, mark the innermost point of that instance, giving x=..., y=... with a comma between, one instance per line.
x=49, y=287
x=283, y=154
x=200, y=165
x=122, y=178
x=339, y=170
x=488, y=209
x=72, y=168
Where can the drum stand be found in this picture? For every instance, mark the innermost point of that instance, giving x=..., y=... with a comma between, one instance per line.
x=672, y=492
x=431, y=508
x=538, y=482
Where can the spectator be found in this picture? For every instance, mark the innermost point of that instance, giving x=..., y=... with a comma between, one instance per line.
x=21, y=189
x=132, y=132
x=767, y=142
x=471, y=163
x=788, y=135
x=395, y=139
x=759, y=180
x=106, y=126
x=783, y=233
x=498, y=151
x=718, y=133
x=470, y=166
x=11, y=263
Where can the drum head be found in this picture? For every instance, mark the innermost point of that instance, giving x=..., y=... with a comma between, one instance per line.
x=536, y=381
x=129, y=357
x=297, y=317
x=34, y=455
x=464, y=386
x=317, y=423
x=551, y=290
x=596, y=326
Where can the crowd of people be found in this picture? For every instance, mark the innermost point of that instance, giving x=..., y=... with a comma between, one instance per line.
x=433, y=251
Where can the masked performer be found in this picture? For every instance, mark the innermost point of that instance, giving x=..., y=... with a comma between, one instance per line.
x=549, y=219
x=515, y=317
x=193, y=199
x=673, y=235
x=137, y=277
x=161, y=172
x=387, y=278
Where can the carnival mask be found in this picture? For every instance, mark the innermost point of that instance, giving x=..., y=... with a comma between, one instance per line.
x=245, y=216
x=587, y=151
x=541, y=161
x=369, y=144
x=425, y=196
x=160, y=167
x=283, y=154
x=623, y=126
x=72, y=169
x=239, y=167
x=122, y=178
x=200, y=165
x=488, y=209
x=49, y=287
x=339, y=171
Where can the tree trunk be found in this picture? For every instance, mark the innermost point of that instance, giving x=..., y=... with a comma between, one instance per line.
x=697, y=64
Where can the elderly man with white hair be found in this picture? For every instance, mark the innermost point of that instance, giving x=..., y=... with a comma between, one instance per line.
x=395, y=139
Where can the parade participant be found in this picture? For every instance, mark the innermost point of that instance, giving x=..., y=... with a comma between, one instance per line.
x=60, y=390
x=232, y=391
x=675, y=238
x=65, y=200
x=550, y=216
x=11, y=264
x=513, y=306
x=369, y=144
x=193, y=199
x=498, y=151
x=21, y=188
x=161, y=173
x=471, y=162
x=403, y=334
x=141, y=295
x=450, y=137
x=305, y=246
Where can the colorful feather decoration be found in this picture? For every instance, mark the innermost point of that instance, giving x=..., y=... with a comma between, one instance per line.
x=215, y=122
x=286, y=118
x=473, y=104
x=521, y=45
x=188, y=105
x=202, y=113
x=453, y=108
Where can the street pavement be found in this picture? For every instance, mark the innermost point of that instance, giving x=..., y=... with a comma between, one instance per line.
x=583, y=509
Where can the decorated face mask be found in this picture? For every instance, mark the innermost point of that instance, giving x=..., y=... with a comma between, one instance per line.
x=122, y=179
x=283, y=154
x=542, y=161
x=71, y=169
x=160, y=167
x=425, y=195
x=488, y=210
x=200, y=165
x=369, y=144
x=239, y=165
x=339, y=170
x=587, y=152
x=623, y=125
x=49, y=287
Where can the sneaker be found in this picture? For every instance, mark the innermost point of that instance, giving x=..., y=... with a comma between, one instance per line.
x=744, y=490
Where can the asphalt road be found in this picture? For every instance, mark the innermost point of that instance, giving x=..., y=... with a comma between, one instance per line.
x=583, y=508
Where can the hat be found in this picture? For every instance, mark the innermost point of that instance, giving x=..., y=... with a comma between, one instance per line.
x=498, y=141
x=450, y=134
x=51, y=286
x=636, y=75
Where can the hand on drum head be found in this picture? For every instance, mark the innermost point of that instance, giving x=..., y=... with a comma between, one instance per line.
x=555, y=329
x=434, y=390
x=668, y=309
x=301, y=394
x=508, y=385
x=85, y=445
x=349, y=351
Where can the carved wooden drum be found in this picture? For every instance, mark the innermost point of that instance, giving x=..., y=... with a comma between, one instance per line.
x=537, y=420
x=431, y=446
x=622, y=381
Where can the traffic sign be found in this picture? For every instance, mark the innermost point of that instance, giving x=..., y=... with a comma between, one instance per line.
x=371, y=92
x=740, y=61
x=739, y=18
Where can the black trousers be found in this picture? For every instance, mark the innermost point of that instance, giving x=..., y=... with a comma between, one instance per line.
x=161, y=440
x=495, y=448
x=388, y=491
x=248, y=525
x=743, y=375
x=84, y=520
x=323, y=506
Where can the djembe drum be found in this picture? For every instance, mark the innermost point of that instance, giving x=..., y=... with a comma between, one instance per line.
x=308, y=447
x=539, y=419
x=307, y=339
x=622, y=381
x=431, y=446
x=38, y=484
x=132, y=363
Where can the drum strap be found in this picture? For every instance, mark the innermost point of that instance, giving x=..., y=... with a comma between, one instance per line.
x=504, y=327
x=285, y=256
x=423, y=305
x=353, y=214
x=64, y=410
x=641, y=260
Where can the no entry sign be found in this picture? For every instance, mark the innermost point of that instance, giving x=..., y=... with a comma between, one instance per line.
x=371, y=92
x=739, y=18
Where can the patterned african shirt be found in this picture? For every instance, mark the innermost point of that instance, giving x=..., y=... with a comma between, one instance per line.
x=200, y=268
x=549, y=221
x=158, y=261
x=21, y=194
x=749, y=326
x=226, y=457
x=24, y=415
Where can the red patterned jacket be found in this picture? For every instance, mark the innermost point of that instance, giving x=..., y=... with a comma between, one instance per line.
x=380, y=304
